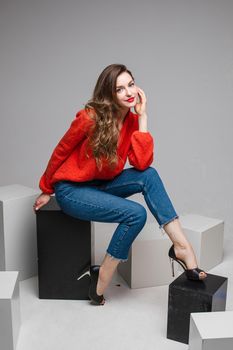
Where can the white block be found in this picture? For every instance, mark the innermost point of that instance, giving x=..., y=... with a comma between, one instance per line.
x=211, y=331
x=206, y=236
x=18, y=241
x=9, y=309
x=148, y=264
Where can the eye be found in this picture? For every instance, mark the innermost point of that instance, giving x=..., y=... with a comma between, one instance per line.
x=119, y=90
x=132, y=84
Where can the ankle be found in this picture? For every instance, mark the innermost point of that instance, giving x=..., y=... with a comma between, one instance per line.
x=103, y=275
x=102, y=283
x=185, y=246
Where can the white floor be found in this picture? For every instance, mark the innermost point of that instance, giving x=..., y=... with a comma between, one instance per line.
x=131, y=319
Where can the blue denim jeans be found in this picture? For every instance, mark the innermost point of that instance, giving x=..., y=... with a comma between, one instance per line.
x=105, y=201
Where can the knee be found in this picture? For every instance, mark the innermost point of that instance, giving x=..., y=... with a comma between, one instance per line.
x=140, y=215
x=152, y=174
x=151, y=171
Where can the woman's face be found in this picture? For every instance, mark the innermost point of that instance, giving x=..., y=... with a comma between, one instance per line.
x=126, y=91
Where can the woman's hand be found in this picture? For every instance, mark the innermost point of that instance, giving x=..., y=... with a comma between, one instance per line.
x=41, y=200
x=140, y=107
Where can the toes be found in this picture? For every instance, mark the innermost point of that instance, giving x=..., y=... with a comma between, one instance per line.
x=202, y=275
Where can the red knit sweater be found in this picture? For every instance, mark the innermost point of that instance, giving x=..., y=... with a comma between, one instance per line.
x=69, y=162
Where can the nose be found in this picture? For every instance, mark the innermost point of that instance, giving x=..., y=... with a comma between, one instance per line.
x=128, y=92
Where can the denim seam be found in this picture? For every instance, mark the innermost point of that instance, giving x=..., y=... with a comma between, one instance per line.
x=117, y=244
x=157, y=218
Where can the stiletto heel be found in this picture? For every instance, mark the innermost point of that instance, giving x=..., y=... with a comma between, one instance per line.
x=84, y=274
x=93, y=272
x=191, y=274
x=172, y=267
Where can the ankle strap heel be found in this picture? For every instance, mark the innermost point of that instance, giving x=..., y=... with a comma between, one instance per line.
x=191, y=274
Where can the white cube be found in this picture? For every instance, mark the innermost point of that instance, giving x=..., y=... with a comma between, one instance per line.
x=18, y=241
x=9, y=309
x=148, y=264
x=211, y=331
x=206, y=236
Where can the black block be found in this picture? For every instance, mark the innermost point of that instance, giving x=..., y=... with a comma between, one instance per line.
x=187, y=296
x=64, y=250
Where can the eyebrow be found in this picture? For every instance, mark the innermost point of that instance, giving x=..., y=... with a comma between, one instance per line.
x=123, y=86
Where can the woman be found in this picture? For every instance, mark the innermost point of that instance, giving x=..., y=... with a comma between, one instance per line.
x=86, y=173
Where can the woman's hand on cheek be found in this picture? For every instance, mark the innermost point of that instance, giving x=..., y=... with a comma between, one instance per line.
x=140, y=107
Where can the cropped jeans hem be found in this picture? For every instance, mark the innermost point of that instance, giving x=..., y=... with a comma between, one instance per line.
x=168, y=222
x=113, y=257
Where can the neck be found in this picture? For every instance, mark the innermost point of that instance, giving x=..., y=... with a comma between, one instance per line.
x=123, y=113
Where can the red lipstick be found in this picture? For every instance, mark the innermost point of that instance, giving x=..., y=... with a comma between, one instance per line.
x=131, y=99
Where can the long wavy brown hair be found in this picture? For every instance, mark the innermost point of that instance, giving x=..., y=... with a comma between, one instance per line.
x=103, y=108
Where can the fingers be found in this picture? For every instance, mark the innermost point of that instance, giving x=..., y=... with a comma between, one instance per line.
x=139, y=99
x=38, y=204
x=40, y=201
x=141, y=95
x=141, y=92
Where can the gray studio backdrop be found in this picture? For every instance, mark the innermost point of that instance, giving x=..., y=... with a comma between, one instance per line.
x=181, y=54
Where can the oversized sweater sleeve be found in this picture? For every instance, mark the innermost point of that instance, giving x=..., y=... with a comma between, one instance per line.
x=65, y=146
x=140, y=153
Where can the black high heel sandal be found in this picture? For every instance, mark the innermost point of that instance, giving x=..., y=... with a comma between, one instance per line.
x=93, y=272
x=191, y=274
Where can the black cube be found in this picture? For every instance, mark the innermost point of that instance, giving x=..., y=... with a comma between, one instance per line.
x=64, y=250
x=186, y=296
